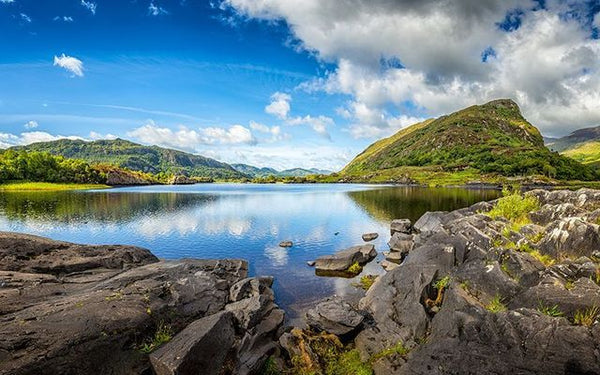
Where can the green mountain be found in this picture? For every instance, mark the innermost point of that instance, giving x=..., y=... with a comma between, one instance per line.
x=257, y=172
x=574, y=139
x=492, y=139
x=136, y=157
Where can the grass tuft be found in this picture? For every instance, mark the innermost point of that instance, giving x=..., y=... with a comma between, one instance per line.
x=162, y=335
x=586, y=317
x=553, y=311
x=355, y=268
x=398, y=349
x=496, y=305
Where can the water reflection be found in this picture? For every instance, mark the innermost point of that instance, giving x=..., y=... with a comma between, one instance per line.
x=236, y=221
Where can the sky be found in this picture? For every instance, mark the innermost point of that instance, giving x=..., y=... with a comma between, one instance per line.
x=282, y=83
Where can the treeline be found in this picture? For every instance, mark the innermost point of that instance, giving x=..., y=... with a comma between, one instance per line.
x=44, y=167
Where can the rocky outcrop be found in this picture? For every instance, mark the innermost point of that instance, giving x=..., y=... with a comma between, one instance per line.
x=343, y=259
x=181, y=180
x=472, y=295
x=75, y=309
x=120, y=177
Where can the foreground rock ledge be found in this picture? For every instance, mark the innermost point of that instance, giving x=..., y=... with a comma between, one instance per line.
x=76, y=309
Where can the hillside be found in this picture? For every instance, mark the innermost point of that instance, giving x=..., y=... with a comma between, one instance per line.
x=257, y=172
x=587, y=153
x=574, y=139
x=492, y=139
x=136, y=157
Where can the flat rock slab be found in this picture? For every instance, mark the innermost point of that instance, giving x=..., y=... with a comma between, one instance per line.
x=343, y=259
x=334, y=315
x=201, y=348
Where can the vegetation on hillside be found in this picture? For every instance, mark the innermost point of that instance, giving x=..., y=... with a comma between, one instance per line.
x=490, y=139
x=158, y=161
x=586, y=153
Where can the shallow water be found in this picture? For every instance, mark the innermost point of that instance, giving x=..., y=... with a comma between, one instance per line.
x=236, y=221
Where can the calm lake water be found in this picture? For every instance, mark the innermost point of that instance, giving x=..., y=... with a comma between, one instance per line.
x=236, y=221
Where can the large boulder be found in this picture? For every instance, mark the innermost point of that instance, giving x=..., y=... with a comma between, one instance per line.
x=336, y=316
x=571, y=236
x=400, y=226
x=343, y=259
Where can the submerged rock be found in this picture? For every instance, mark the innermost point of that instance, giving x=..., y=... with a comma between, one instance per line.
x=343, y=259
x=369, y=236
x=286, y=244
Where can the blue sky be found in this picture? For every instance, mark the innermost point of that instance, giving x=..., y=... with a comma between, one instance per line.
x=285, y=84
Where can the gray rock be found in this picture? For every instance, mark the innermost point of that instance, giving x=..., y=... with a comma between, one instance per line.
x=369, y=236
x=549, y=213
x=430, y=221
x=286, y=244
x=570, y=236
x=201, y=348
x=400, y=226
x=249, y=287
x=388, y=266
x=343, y=259
x=402, y=243
x=336, y=316
x=394, y=257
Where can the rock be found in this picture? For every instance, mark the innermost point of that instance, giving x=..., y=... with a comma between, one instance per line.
x=249, y=287
x=402, y=243
x=121, y=177
x=401, y=226
x=181, y=180
x=388, y=266
x=394, y=257
x=369, y=236
x=549, y=213
x=430, y=221
x=343, y=259
x=201, y=347
x=286, y=244
x=311, y=263
x=570, y=236
x=336, y=316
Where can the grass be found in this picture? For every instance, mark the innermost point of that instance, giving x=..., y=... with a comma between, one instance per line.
x=398, y=349
x=348, y=363
x=545, y=259
x=367, y=281
x=553, y=311
x=442, y=283
x=496, y=305
x=514, y=207
x=355, y=268
x=588, y=152
x=270, y=367
x=586, y=317
x=162, y=335
x=47, y=186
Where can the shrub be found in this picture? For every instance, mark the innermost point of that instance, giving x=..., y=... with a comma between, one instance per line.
x=355, y=268
x=514, y=207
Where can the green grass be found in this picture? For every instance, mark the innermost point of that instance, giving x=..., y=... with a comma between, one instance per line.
x=586, y=317
x=162, y=335
x=48, y=186
x=442, y=283
x=270, y=367
x=348, y=363
x=367, y=281
x=588, y=152
x=553, y=311
x=496, y=305
x=355, y=268
x=398, y=349
x=514, y=207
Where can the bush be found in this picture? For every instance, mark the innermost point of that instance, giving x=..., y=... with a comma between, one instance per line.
x=514, y=207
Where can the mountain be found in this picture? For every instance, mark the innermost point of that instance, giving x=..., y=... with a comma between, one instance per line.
x=136, y=157
x=574, y=139
x=488, y=139
x=253, y=171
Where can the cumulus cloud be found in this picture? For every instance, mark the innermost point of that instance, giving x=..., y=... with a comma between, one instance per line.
x=31, y=125
x=91, y=6
x=155, y=10
x=190, y=139
x=9, y=140
x=96, y=136
x=280, y=107
x=7, y=1
x=274, y=131
x=430, y=54
x=69, y=63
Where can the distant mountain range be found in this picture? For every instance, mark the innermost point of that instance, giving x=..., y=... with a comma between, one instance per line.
x=582, y=145
x=489, y=139
x=253, y=171
x=136, y=157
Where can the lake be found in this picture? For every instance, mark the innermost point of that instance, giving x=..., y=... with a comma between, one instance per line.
x=237, y=221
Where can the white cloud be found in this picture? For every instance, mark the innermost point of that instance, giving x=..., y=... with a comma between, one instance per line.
x=91, y=6
x=429, y=53
x=31, y=125
x=9, y=140
x=7, y=1
x=96, y=136
x=154, y=10
x=279, y=106
x=190, y=139
x=25, y=18
x=69, y=63
x=63, y=18
x=273, y=131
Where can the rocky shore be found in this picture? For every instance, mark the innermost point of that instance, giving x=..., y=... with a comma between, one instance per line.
x=503, y=287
